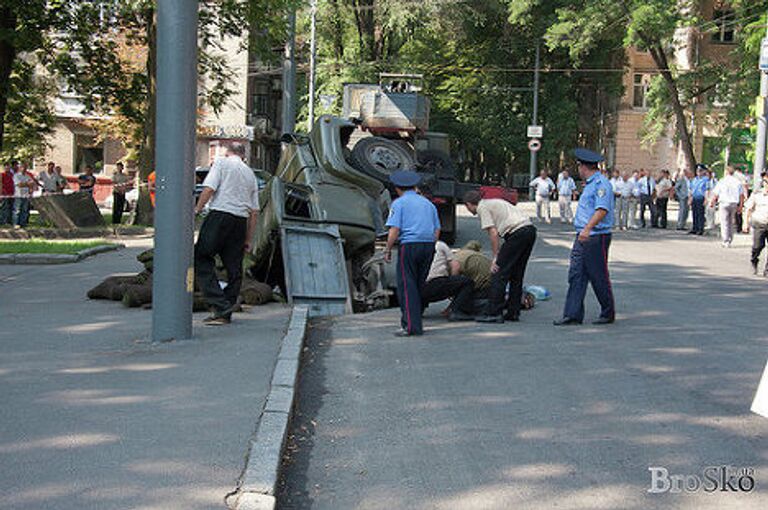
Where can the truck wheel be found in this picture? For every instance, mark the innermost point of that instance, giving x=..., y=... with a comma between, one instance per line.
x=379, y=158
x=437, y=163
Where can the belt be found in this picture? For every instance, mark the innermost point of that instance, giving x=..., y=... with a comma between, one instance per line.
x=517, y=229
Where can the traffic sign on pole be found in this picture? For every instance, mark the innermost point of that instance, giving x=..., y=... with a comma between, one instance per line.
x=535, y=131
x=534, y=145
x=764, y=55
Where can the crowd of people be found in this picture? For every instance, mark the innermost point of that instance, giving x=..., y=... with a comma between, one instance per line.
x=19, y=184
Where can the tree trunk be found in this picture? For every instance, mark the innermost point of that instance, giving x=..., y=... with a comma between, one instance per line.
x=7, y=57
x=660, y=58
x=338, y=31
x=144, y=210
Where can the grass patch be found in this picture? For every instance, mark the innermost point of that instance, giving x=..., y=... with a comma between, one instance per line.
x=41, y=246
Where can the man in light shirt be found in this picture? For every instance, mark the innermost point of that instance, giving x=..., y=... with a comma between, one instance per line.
x=49, y=179
x=630, y=195
x=756, y=218
x=566, y=189
x=729, y=193
x=543, y=187
x=503, y=220
x=646, y=186
x=664, y=189
x=617, y=184
x=681, y=192
x=444, y=281
x=232, y=192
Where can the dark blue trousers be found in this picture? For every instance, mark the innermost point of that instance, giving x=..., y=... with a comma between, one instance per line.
x=698, y=215
x=589, y=264
x=413, y=263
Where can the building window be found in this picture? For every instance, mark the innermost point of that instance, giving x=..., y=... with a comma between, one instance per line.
x=725, y=26
x=641, y=83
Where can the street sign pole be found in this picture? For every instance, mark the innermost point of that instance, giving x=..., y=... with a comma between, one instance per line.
x=535, y=116
x=173, y=275
x=762, y=116
x=312, y=66
x=289, y=77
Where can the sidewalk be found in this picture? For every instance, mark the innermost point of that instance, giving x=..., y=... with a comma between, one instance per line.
x=92, y=415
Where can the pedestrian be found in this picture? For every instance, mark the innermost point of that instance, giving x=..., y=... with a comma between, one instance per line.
x=232, y=193
x=664, y=190
x=729, y=195
x=709, y=210
x=24, y=184
x=7, y=194
x=87, y=181
x=681, y=193
x=543, y=187
x=617, y=183
x=121, y=184
x=697, y=195
x=444, y=281
x=756, y=218
x=647, y=188
x=61, y=181
x=49, y=180
x=413, y=221
x=634, y=199
x=566, y=189
x=589, y=255
x=502, y=220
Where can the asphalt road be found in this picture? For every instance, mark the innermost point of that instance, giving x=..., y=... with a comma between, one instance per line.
x=527, y=415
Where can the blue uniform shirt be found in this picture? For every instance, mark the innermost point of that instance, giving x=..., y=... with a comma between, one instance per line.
x=699, y=187
x=415, y=216
x=597, y=194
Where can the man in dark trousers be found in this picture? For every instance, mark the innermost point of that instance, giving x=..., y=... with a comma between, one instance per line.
x=589, y=255
x=502, y=220
x=413, y=220
x=232, y=193
x=445, y=282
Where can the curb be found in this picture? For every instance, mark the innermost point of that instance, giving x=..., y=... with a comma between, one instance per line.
x=256, y=490
x=56, y=258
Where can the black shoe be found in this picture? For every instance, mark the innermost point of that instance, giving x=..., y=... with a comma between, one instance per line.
x=512, y=317
x=603, y=320
x=566, y=321
x=691, y=232
x=460, y=316
x=499, y=319
x=216, y=320
x=754, y=269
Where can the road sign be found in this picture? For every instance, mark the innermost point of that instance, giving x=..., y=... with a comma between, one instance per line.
x=763, y=55
x=535, y=131
x=534, y=145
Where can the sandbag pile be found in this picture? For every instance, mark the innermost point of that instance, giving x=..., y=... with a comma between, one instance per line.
x=136, y=290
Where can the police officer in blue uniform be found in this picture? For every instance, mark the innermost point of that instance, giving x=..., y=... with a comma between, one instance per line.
x=413, y=220
x=589, y=255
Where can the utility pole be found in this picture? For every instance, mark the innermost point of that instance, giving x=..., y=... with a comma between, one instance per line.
x=289, y=77
x=762, y=114
x=312, y=66
x=535, y=116
x=173, y=281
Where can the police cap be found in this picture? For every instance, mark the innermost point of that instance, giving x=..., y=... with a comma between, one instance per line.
x=405, y=179
x=587, y=156
x=702, y=166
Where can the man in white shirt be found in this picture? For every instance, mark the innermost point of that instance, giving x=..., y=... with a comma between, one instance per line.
x=730, y=195
x=756, y=218
x=617, y=184
x=232, y=192
x=49, y=179
x=445, y=282
x=543, y=187
x=664, y=190
x=646, y=186
x=23, y=187
x=630, y=196
x=566, y=189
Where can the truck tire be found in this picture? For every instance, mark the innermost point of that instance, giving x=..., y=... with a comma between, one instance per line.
x=379, y=158
x=437, y=163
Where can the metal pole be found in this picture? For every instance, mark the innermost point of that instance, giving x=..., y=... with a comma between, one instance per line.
x=173, y=280
x=289, y=77
x=762, y=118
x=312, y=66
x=535, y=111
